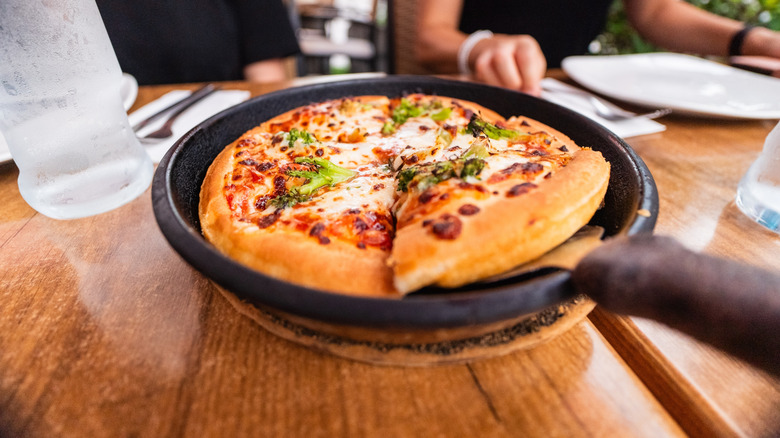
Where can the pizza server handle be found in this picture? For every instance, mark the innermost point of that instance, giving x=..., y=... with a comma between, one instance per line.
x=731, y=306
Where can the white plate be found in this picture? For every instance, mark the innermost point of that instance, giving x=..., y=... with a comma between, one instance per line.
x=129, y=92
x=687, y=84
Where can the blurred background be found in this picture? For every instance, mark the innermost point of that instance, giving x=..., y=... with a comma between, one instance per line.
x=355, y=36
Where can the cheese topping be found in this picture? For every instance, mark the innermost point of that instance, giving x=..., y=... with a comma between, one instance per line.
x=343, y=169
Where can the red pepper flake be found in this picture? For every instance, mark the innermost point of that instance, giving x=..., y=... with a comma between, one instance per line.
x=447, y=227
x=412, y=159
x=520, y=189
x=318, y=231
x=427, y=196
x=261, y=202
x=468, y=209
x=268, y=220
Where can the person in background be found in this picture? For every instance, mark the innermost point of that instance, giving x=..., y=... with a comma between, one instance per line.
x=512, y=43
x=180, y=41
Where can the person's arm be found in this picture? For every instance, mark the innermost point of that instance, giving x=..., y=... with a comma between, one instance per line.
x=511, y=61
x=679, y=26
x=438, y=36
x=269, y=70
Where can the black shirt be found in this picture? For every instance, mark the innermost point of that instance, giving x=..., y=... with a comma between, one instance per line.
x=562, y=27
x=175, y=41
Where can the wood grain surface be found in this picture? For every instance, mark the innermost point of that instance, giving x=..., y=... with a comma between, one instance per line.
x=106, y=332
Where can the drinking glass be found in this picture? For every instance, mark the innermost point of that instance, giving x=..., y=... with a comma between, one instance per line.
x=758, y=193
x=61, y=110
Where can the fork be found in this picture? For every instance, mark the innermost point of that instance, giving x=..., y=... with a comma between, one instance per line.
x=603, y=108
x=166, y=130
x=611, y=112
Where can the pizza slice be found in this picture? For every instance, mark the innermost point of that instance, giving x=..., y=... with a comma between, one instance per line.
x=306, y=204
x=508, y=193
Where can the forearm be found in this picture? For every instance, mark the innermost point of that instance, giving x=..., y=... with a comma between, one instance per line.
x=438, y=50
x=438, y=36
x=679, y=26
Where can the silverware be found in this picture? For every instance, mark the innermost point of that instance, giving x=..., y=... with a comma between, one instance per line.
x=175, y=110
x=609, y=111
x=605, y=109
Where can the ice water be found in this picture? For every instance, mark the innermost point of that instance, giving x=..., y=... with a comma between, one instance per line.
x=758, y=193
x=61, y=110
x=74, y=168
x=759, y=197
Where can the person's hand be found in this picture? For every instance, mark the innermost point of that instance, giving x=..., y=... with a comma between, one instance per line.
x=510, y=61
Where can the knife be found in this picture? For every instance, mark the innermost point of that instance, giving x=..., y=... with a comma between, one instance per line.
x=194, y=96
x=732, y=306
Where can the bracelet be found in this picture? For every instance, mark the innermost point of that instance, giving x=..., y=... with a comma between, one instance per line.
x=465, y=49
x=735, y=46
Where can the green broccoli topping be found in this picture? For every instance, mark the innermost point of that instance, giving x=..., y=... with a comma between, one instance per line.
x=477, y=126
x=422, y=176
x=442, y=115
x=405, y=111
x=472, y=167
x=388, y=128
x=296, y=134
x=320, y=173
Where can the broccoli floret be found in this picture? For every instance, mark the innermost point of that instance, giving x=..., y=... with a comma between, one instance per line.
x=422, y=176
x=296, y=134
x=477, y=126
x=442, y=115
x=472, y=167
x=405, y=111
x=320, y=173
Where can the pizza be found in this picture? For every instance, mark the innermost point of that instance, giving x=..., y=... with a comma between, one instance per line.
x=381, y=196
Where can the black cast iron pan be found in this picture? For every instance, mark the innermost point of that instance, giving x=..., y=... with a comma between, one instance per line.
x=734, y=307
x=177, y=182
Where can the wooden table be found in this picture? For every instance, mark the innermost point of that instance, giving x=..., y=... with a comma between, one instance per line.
x=106, y=331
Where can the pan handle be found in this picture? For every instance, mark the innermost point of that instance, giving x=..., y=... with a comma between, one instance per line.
x=731, y=306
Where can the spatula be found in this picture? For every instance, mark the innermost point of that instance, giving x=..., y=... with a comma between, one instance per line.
x=733, y=306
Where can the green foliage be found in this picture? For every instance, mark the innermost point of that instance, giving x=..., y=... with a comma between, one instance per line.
x=619, y=37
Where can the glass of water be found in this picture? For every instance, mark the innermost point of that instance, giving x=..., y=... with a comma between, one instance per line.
x=758, y=193
x=61, y=110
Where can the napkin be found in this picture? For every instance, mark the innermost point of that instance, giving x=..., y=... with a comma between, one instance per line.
x=576, y=99
x=207, y=107
x=5, y=154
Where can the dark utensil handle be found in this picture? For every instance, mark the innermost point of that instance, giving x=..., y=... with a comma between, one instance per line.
x=193, y=97
x=732, y=306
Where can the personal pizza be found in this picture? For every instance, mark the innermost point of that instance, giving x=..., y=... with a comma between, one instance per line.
x=379, y=196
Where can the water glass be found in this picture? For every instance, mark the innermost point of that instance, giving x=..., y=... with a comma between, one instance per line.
x=758, y=193
x=61, y=110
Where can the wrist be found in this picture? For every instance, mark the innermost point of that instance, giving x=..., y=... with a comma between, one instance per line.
x=464, y=51
x=761, y=41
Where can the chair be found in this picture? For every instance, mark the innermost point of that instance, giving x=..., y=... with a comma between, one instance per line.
x=336, y=36
x=402, y=15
